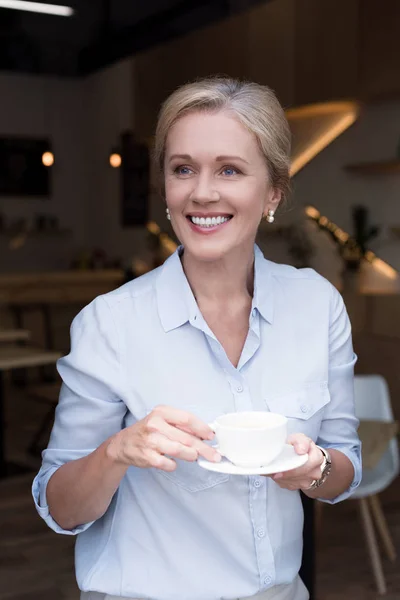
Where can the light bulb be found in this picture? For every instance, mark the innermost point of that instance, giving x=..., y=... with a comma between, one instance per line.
x=48, y=159
x=115, y=160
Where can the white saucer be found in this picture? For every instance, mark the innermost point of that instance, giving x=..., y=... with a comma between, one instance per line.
x=286, y=461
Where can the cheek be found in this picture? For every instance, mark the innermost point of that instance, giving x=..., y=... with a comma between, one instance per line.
x=254, y=204
x=175, y=191
x=252, y=193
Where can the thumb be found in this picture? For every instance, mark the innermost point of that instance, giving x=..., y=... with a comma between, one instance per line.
x=300, y=442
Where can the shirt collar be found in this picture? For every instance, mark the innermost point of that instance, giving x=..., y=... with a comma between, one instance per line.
x=263, y=298
x=176, y=302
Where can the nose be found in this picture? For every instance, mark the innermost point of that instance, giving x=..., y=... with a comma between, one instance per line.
x=204, y=191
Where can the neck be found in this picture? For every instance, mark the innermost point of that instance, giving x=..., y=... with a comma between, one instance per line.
x=228, y=279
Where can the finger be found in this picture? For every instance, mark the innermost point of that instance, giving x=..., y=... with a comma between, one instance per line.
x=159, y=425
x=156, y=460
x=163, y=445
x=186, y=421
x=292, y=487
x=306, y=470
x=292, y=474
x=207, y=452
x=300, y=442
x=313, y=463
x=187, y=439
x=189, y=430
x=311, y=470
x=300, y=472
x=294, y=484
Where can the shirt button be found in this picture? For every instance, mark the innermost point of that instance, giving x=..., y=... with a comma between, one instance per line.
x=304, y=408
x=261, y=533
x=257, y=483
x=254, y=312
x=267, y=580
x=239, y=389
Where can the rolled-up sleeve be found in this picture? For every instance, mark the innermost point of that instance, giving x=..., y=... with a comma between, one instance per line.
x=339, y=426
x=90, y=407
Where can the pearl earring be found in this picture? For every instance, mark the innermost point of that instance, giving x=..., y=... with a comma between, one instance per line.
x=168, y=214
x=270, y=216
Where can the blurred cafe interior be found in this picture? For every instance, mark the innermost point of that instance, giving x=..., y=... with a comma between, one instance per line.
x=81, y=213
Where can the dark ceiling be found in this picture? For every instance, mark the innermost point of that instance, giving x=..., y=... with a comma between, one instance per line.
x=100, y=32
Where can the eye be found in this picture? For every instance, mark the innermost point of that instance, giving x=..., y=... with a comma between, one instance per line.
x=182, y=170
x=229, y=171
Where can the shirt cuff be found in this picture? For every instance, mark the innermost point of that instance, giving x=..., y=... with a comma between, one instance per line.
x=354, y=456
x=39, y=487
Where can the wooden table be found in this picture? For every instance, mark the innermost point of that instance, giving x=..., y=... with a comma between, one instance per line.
x=24, y=292
x=17, y=357
x=57, y=288
x=14, y=335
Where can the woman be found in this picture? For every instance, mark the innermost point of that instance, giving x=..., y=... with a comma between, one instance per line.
x=216, y=329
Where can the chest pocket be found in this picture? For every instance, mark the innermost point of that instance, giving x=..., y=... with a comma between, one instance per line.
x=188, y=475
x=304, y=408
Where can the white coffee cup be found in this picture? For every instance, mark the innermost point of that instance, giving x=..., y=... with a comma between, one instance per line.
x=250, y=439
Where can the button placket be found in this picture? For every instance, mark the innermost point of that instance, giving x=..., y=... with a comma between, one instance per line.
x=220, y=354
x=261, y=533
x=251, y=345
x=264, y=553
x=241, y=396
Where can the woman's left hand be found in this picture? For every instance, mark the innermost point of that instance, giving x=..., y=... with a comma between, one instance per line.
x=301, y=478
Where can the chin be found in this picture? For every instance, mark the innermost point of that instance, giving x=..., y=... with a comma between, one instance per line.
x=209, y=250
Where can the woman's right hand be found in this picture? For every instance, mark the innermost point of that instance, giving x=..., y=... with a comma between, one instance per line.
x=165, y=432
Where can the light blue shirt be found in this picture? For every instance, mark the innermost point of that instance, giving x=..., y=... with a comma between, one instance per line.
x=192, y=533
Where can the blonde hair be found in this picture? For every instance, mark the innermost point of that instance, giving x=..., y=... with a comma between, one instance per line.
x=256, y=107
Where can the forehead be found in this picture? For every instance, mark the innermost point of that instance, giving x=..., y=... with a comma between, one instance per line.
x=219, y=133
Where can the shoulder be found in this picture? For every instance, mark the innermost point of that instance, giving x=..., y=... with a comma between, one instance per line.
x=139, y=288
x=304, y=285
x=126, y=298
x=288, y=275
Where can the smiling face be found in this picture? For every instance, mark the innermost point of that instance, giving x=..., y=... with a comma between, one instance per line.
x=216, y=183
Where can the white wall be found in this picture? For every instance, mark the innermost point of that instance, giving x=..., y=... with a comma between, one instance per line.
x=325, y=184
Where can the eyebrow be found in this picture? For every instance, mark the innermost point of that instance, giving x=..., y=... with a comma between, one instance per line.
x=218, y=159
x=180, y=156
x=228, y=157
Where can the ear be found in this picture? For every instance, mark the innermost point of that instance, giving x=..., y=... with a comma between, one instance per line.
x=273, y=200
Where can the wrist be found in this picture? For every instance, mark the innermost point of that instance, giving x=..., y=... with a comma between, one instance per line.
x=112, y=453
x=326, y=467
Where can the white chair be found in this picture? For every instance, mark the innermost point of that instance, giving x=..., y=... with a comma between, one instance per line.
x=372, y=402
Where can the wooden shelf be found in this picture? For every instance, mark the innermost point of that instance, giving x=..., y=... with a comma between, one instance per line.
x=386, y=167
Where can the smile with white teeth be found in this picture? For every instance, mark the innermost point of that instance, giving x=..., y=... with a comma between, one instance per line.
x=209, y=221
